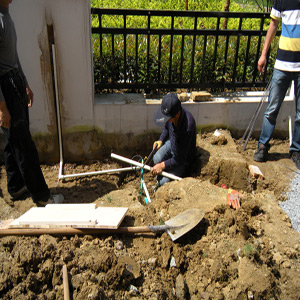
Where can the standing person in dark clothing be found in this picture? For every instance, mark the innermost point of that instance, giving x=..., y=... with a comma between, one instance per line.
x=20, y=154
x=176, y=147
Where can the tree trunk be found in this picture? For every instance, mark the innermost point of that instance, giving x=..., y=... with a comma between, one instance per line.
x=186, y=4
x=226, y=8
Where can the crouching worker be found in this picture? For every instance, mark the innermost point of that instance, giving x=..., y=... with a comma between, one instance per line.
x=176, y=147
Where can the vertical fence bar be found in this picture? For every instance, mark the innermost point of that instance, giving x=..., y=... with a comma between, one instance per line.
x=203, y=58
x=125, y=48
x=216, y=43
x=171, y=50
x=148, y=47
x=246, y=59
x=193, y=51
x=237, y=52
x=136, y=58
x=113, y=58
x=101, y=59
x=181, y=58
x=225, y=58
x=101, y=49
x=159, y=59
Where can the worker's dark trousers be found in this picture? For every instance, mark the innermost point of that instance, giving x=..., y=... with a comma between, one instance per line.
x=20, y=154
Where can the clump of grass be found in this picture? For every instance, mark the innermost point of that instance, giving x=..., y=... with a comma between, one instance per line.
x=108, y=199
x=161, y=222
x=248, y=250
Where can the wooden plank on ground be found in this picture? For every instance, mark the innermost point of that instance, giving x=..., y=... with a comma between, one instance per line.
x=71, y=215
x=107, y=217
x=72, y=206
x=45, y=216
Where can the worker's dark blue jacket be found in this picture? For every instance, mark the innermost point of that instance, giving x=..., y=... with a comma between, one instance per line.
x=182, y=139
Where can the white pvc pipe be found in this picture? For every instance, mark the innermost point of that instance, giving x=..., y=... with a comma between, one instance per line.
x=61, y=163
x=146, y=167
x=146, y=191
x=96, y=172
x=60, y=142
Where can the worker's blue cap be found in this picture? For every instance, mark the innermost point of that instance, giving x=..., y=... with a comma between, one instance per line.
x=170, y=106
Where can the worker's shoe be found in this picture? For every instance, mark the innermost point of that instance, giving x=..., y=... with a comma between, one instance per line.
x=295, y=157
x=18, y=194
x=155, y=187
x=53, y=199
x=261, y=153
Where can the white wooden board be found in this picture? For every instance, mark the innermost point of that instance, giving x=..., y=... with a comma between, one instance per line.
x=71, y=215
x=71, y=206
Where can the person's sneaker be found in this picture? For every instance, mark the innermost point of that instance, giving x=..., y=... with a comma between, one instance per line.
x=155, y=187
x=19, y=194
x=261, y=153
x=295, y=157
x=54, y=199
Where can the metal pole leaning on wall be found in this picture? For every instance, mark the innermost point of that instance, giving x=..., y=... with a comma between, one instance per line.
x=254, y=118
x=60, y=141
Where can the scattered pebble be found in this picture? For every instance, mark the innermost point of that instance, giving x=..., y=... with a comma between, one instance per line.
x=133, y=290
x=119, y=245
x=172, y=262
x=292, y=205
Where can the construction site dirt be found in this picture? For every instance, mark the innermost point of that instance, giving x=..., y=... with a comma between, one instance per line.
x=249, y=253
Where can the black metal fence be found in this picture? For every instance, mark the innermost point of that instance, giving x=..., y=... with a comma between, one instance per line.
x=178, y=50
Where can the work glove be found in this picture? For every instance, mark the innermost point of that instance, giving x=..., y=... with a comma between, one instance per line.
x=233, y=198
x=158, y=143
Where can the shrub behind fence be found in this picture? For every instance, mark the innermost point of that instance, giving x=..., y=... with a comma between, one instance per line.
x=155, y=50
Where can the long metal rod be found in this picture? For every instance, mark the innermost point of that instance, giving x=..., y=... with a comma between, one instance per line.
x=254, y=118
x=252, y=126
x=258, y=107
x=290, y=130
x=146, y=167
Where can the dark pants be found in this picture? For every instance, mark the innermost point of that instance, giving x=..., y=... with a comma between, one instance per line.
x=20, y=154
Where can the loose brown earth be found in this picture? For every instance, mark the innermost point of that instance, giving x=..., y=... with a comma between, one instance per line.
x=250, y=253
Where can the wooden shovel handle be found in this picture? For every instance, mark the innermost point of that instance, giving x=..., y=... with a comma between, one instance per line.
x=66, y=283
x=73, y=231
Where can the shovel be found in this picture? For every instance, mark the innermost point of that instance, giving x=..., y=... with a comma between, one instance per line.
x=175, y=227
x=149, y=159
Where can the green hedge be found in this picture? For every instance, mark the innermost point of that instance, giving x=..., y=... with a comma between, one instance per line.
x=218, y=72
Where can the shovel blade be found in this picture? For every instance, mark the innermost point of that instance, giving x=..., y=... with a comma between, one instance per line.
x=184, y=222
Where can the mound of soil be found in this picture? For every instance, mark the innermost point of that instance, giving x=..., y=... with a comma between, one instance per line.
x=249, y=253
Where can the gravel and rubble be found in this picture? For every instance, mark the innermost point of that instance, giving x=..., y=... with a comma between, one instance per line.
x=292, y=205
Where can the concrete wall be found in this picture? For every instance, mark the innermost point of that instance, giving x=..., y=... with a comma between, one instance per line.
x=93, y=127
x=70, y=20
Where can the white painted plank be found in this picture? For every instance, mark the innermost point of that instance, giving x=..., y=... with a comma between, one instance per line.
x=71, y=206
x=43, y=215
x=107, y=217
x=58, y=215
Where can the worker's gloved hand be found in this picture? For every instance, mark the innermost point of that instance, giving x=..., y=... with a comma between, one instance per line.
x=158, y=143
x=233, y=198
